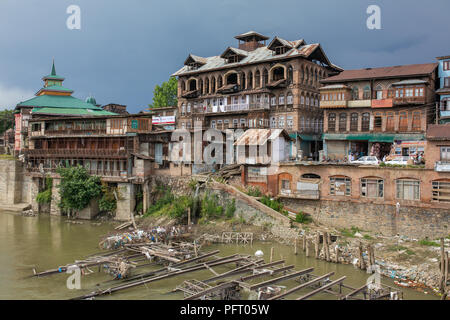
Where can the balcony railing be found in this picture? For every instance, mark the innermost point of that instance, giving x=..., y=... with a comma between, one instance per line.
x=235, y=107
x=333, y=104
x=69, y=132
x=99, y=172
x=99, y=153
x=442, y=166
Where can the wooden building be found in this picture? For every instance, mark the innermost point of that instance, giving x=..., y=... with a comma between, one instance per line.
x=367, y=110
x=256, y=85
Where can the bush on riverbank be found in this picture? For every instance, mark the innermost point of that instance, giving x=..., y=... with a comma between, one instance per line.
x=274, y=204
x=206, y=207
x=77, y=188
x=108, y=202
x=45, y=196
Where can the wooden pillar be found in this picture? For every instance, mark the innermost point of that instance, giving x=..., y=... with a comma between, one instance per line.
x=304, y=243
x=316, y=248
x=362, y=264
x=307, y=248
x=271, y=254
x=326, y=247
x=295, y=246
x=337, y=253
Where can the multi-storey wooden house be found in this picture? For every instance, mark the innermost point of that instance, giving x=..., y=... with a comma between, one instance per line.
x=257, y=86
x=366, y=111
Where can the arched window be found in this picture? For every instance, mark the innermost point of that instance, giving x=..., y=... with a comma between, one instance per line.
x=277, y=74
x=257, y=79
x=243, y=80
x=416, y=125
x=250, y=80
x=302, y=75
x=407, y=189
x=232, y=78
x=207, y=85
x=192, y=84
x=281, y=100
x=265, y=78
x=365, y=121
x=367, y=94
x=340, y=186
x=183, y=86
x=343, y=122
x=355, y=93
x=290, y=98
x=201, y=86
x=213, y=85
x=290, y=75
x=219, y=82
x=354, y=122
x=372, y=188
x=332, y=122
x=310, y=176
x=379, y=92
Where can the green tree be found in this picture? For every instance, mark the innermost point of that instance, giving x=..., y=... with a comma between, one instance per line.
x=77, y=188
x=166, y=94
x=6, y=120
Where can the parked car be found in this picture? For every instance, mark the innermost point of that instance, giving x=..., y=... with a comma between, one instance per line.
x=401, y=160
x=367, y=160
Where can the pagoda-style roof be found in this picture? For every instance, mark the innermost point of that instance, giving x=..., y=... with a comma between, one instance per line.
x=54, y=89
x=55, y=101
x=53, y=75
x=71, y=111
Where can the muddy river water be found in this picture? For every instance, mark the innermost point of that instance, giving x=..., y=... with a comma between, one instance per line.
x=47, y=242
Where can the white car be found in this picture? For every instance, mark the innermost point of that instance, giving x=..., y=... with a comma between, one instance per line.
x=399, y=160
x=367, y=160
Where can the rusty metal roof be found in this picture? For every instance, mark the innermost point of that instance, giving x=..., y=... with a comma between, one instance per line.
x=438, y=132
x=385, y=72
x=259, y=55
x=259, y=137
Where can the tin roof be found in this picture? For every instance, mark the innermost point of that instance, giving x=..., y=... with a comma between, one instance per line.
x=261, y=54
x=438, y=132
x=260, y=136
x=249, y=34
x=385, y=72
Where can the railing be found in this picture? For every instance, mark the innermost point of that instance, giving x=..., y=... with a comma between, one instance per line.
x=77, y=152
x=409, y=100
x=100, y=172
x=304, y=194
x=73, y=131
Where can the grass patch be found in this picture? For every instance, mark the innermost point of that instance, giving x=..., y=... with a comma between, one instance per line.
x=408, y=251
x=6, y=157
x=254, y=191
x=350, y=232
x=274, y=204
x=428, y=243
x=303, y=218
x=367, y=237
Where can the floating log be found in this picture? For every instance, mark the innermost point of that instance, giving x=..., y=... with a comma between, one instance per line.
x=304, y=285
x=323, y=288
x=282, y=278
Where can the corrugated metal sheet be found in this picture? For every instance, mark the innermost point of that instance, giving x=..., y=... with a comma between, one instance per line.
x=392, y=72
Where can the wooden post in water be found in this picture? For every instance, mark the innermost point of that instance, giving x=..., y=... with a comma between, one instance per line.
x=295, y=246
x=189, y=218
x=362, y=264
x=195, y=249
x=326, y=247
x=307, y=248
x=271, y=254
x=304, y=242
x=336, y=249
x=442, y=267
x=316, y=248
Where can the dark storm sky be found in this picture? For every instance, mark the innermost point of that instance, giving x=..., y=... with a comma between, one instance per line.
x=124, y=48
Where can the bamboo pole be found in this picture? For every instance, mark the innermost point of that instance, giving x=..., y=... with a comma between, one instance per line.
x=271, y=254
x=304, y=243
x=295, y=246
